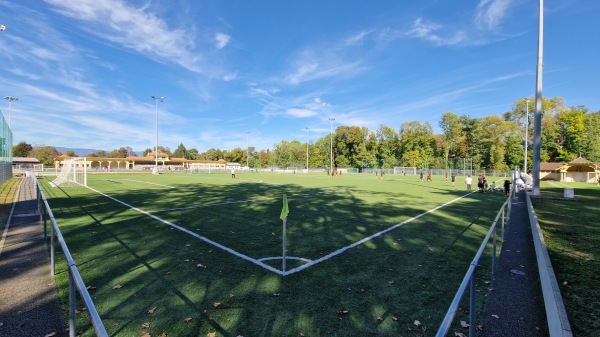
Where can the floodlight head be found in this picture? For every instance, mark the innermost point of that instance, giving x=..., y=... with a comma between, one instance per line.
x=2, y=27
x=10, y=98
x=161, y=98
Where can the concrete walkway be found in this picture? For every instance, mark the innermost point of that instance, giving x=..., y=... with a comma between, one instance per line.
x=515, y=307
x=29, y=304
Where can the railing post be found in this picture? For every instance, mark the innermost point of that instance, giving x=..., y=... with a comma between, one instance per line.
x=72, y=305
x=52, y=249
x=503, y=208
x=494, y=253
x=472, y=305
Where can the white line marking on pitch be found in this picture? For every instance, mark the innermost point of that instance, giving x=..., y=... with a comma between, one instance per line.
x=207, y=240
x=147, y=182
x=259, y=261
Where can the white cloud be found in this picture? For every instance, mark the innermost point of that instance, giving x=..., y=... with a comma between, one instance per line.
x=133, y=28
x=490, y=13
x=300, y=113
x=222, y=40
x=435, y=33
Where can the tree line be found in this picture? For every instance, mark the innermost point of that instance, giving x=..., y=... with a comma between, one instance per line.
x=492, y=142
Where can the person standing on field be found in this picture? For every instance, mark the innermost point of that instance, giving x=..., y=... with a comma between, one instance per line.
x=469, y=182
x=453, y=178
x=232, y=173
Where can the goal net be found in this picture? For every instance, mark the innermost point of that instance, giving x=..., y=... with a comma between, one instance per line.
x=73, y=173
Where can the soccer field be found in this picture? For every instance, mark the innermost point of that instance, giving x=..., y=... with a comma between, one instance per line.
x=365, y=254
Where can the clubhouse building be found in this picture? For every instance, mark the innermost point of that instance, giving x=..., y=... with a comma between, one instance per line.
x=165, y=163
x=578, y=170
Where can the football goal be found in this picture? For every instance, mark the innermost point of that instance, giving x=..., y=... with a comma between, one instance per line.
x=73, y=173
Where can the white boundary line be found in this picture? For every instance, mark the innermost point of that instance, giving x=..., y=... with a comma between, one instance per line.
x=10, y=218
x=147, y=182
x=259, y=261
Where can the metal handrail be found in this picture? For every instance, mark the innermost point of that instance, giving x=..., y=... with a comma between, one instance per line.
x=471, y=275
x=76, y=283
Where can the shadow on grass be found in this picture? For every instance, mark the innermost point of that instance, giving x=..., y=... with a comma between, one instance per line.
x=379, y=288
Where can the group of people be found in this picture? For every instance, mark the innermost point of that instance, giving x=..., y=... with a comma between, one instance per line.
x=482, y=185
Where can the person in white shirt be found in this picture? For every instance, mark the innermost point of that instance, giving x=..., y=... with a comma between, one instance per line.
x=469, y=182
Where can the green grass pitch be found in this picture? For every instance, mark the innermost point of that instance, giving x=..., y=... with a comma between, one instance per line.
x=149, y=235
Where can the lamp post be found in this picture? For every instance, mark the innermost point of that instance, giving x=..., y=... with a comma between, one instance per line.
x=10, y=99
x=156, y=99
x=331, y=119
x=307, y=128
x=526, y=134
x=247, y=149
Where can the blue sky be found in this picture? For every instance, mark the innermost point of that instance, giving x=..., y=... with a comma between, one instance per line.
x=84, y=70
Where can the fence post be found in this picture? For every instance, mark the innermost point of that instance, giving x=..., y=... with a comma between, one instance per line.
x=72, y=305
x=494, y=253
x=52, y=249
x=472, y=305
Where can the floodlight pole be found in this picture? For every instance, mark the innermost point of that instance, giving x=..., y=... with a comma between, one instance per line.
x=307, y=128
x=526, y=134
x=247, y=150
x=331, y=119
x=10, y=99
x=156, y=99
x=537, y=126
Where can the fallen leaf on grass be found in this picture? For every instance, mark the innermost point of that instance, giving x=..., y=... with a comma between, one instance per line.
x=394, y=318
x=590, y=259
x=495, y=316
x=164, y=334
x=216, y=304
x=187, y=320
x=90, y=288
x=565, y=283
x=379, y=319
x=200, y=265
x=118, y=286
x=151, y=311
x=115, y=324
x=211, y=334
x=417, y=323
x=342, y=312
x=459, y=334
x=147, y=334
x=51, y=334
x=464, y=324
x=479, y=327
x=145, y=325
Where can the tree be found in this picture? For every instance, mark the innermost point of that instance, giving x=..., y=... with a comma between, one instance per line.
x=70, y=153
x=45, y=154
x=571, y=132
x=22, y=149
x=350, y=139
x=180, y=152
x=450, y=124
x=120, y=153
x=591, y=138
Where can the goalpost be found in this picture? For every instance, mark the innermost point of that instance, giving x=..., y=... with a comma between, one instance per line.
x=72, y=174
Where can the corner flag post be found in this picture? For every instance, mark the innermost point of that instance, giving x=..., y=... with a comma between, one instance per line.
x=284, y=213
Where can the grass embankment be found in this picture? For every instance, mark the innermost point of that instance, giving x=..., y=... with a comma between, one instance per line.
x=8, y=190
x=571, y=230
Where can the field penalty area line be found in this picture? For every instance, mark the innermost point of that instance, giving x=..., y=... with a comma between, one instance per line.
x=187, y=231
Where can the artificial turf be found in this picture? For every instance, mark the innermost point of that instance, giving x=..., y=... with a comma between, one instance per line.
x=382, y=287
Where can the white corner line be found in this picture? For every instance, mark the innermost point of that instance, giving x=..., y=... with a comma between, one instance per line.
x=259, y=261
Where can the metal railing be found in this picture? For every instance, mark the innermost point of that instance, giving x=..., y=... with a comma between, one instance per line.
x=76, y=283
x=470, y=278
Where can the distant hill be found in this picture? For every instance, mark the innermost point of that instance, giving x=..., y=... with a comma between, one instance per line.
x=79, y=152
